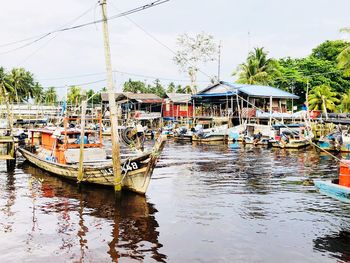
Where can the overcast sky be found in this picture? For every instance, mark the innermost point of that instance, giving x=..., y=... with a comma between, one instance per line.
x=284, y=28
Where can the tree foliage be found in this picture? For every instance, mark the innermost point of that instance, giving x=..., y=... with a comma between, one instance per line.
x=93, y=97
x=74, y=95
x=18, y=85
x=50, y=96
x=345, y=102
x=192, y=52
x=258, y=69
x=322, y=97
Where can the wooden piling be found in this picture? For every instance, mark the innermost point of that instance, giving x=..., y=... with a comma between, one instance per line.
x=82, y=141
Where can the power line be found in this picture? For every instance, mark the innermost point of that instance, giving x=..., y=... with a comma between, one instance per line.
x=47, y=42
x=131, y=11
x=126, y=73
x=160, y=42
x=77, y=84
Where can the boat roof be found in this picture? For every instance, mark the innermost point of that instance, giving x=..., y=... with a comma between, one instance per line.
x=51, y=131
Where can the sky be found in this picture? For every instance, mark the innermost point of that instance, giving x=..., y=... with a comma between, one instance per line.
x=142, y=44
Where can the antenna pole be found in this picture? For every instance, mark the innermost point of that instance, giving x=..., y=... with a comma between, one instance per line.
x=219, y=61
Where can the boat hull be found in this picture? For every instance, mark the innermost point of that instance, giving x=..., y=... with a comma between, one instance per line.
x=183, y=138
x=330, y=147
x=210, y=138
x=295, y=144
x=339, y=192
x=136, y=172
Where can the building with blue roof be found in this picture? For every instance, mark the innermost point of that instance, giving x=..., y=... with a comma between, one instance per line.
x=227, y=99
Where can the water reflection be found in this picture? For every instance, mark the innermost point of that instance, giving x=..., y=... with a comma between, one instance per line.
x=337, y=244
x=10, y=196
x=132, y=225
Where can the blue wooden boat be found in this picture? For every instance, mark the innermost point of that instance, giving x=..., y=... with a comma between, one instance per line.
x=334, y=190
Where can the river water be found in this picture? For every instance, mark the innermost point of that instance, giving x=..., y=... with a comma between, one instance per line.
x=205, y=203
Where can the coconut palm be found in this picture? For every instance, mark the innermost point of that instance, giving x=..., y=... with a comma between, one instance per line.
x=23, y=85
x=50, y=96
x=344, y=61
x=344, y=56
x=257, y=69
x=345, y=102
x=5, y=87
x=323, y=98
x=74, y=95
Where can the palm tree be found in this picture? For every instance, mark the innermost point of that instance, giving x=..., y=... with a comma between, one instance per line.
x=344, y=56
x=345, y=102
x=344, y=61
x=74, y=95
x=5, y=87
x=257, y=69
x=323, y=98
x=50, y=96
x=23, y=85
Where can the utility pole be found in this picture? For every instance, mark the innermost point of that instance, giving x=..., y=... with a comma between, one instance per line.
x=112, y=104
x=219, y=62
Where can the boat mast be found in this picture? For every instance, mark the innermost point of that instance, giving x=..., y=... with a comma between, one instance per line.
x=112, y=103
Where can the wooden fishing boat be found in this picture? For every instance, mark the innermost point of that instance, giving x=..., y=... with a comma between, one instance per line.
x=215, y=134
x=183, y=135
x=58, y=153
x=292, y=136
x=337, y=188
x=336, y=141
x=334, y=190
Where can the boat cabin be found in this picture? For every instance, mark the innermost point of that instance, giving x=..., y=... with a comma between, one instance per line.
x=62, y=145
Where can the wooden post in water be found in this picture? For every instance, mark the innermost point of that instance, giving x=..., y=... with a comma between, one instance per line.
x=82, y=141
x=112, y=104
x=238, y=108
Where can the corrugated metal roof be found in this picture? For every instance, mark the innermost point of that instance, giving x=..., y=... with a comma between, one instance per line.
x=260, y=91
x=179, y=97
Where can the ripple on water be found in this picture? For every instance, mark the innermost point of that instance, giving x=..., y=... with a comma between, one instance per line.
x=206, y=203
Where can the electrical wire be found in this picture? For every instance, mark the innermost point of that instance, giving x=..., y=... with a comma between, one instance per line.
x=160, y=42
x=126, y=13
x=78, y=84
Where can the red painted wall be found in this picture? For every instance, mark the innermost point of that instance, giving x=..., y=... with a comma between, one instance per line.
x=174, y=110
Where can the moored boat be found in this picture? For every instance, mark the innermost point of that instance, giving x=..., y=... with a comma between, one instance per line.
x=336, y=141
x=58, y=153
x=337, y=188
x=292, y=136
x=214, y=134
x=182, y=134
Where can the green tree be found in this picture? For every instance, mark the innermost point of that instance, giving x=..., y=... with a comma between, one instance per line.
x=5, y=87
x=344, y=56
x=93, y=97
x=171, y=87
x=192, y=52
x=157, y=89
x=23, y=85
x=329, y=50
x=74, y=95
x=257, y=69
x=134, y=86
x=179, y=89
x=345, y=102
x=50, y=96
x=344, y=61
x=322, y=97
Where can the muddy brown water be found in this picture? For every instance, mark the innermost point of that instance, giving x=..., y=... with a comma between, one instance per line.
x=205, y=203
